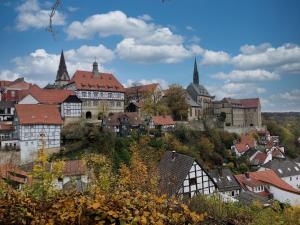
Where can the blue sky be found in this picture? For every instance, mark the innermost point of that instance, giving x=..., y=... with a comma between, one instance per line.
x=244, y=48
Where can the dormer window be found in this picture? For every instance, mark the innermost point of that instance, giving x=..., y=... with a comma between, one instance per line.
x=280, y=171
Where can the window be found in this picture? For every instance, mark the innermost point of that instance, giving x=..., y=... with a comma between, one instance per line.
x=291, y=178
x=109, y=95
x=118, y=103
x=193, y=181
x=13, y=93
x=83, y=94
x=232, y=193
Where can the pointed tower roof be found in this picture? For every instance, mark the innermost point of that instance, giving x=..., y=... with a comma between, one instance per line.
x=62, y=73
x=195, y=74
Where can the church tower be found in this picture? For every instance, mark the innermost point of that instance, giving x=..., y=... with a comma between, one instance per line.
x=62, y=77
x=195, y=74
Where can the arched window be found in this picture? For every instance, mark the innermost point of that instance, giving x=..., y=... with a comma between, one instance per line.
x=88, y=115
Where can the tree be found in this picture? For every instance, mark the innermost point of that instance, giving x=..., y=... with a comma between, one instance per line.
x=153, y=104
x=175, y=99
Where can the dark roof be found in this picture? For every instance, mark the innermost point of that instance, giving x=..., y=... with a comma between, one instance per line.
x=250, y=152
x=7, y=104
x=224, y=179
x=62, y=73
x=195, y=90
x=283, y=167
x=132, y=118
x=191, y=102
x=72, y=98
x=248, y=197
x=173, y=169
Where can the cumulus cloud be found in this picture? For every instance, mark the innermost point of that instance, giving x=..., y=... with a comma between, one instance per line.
x=145, y=17
x=267, y=57
x=129, y=49
x=8, y=75
x=247, y=76
x=285, y=101
x=30, y=15
x=215, y=57
x=189, y=28
x=164, y=84
x=42, y=66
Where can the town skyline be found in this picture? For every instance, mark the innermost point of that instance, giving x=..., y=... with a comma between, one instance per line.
x=258, y=58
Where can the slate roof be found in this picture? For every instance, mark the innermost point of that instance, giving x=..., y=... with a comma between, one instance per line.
x=173, y=169
x=224, y=179
x=195, y=90
x=73, y=98
x=85, y=80
x=283, y=167
x=38, y=114
x=250, y=152
x=191, y=102
x=247, y=198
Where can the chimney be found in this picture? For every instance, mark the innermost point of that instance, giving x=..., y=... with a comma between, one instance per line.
x=95, y=69
x=173, y=155
x=247, y=174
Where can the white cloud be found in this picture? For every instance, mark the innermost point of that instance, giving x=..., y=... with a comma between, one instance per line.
x=267, y=57
x=252, y=49
x=42, y=66
x=145, y=17
x=285, y=101
x=8, y=75
x=164, y=84
x=247, y=76
x=129, y=49
x=215, y=57
x=72, y=9
x=30, y=15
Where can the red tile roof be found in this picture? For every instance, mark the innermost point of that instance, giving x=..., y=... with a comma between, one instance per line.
x=276, y=152
x=241, y=147
x=267, y=177
x=260, y=157
x=38, y=114
x=163, y=120
x=243, y=103
x=141, y=89
x=46, y=96
x=13, y=172
x=85, y=80
x=249, y=140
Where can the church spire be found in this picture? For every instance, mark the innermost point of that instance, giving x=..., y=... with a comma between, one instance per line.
x=62, y=73
x=195, y=74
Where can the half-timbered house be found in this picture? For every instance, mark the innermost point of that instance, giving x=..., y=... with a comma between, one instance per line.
x=33, y=120
x=183, y=176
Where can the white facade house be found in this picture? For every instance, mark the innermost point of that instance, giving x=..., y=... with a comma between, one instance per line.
x=71, y=107
x=37, y=125
x=183, y=176
x=268, y=183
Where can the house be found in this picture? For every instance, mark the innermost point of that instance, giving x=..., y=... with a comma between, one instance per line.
x=67, y=102
x=163, y=123
x=226, y=182
x=268, y=183
x=14, y=175
x=246, y=142
x=195, y=109
x=12, y=90
x=123, y=123
x=199, y=94
x=138, y=92
x=7, y=138
x=183, y=176
x=35, y=124
x=7, y=110
x=286, y=169
x=100, y=93
x=74, y=174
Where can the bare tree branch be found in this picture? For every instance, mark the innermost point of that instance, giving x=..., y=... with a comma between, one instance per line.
x=51, y=15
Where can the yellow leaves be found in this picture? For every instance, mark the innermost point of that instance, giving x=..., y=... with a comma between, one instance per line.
x=96, y=205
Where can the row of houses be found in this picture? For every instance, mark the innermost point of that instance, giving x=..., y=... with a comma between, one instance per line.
x=184, y=176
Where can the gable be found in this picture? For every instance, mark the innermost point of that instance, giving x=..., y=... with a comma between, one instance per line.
x=29, y=99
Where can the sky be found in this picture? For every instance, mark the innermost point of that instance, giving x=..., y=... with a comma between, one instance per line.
x=244, y=48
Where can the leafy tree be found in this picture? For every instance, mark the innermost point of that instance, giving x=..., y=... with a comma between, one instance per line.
x=175, y=99
x=152, y=104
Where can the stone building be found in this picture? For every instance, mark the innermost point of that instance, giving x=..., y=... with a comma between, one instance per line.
x=197, y=93
x=239, y=113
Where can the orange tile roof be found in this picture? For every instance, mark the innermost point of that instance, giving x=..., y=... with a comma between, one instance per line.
x=38, y=114
x=163, y=120
x=248, y=140
x=241, y=147
x=13, y=172
x=268, y=177
x=47, y=96
x=141, y=89
x=244, y=103
x=260, y=157
x=85, y=80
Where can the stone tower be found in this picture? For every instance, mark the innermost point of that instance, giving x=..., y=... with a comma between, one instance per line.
x=62, y=77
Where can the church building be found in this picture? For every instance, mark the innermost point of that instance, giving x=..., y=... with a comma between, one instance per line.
x=198, y=98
